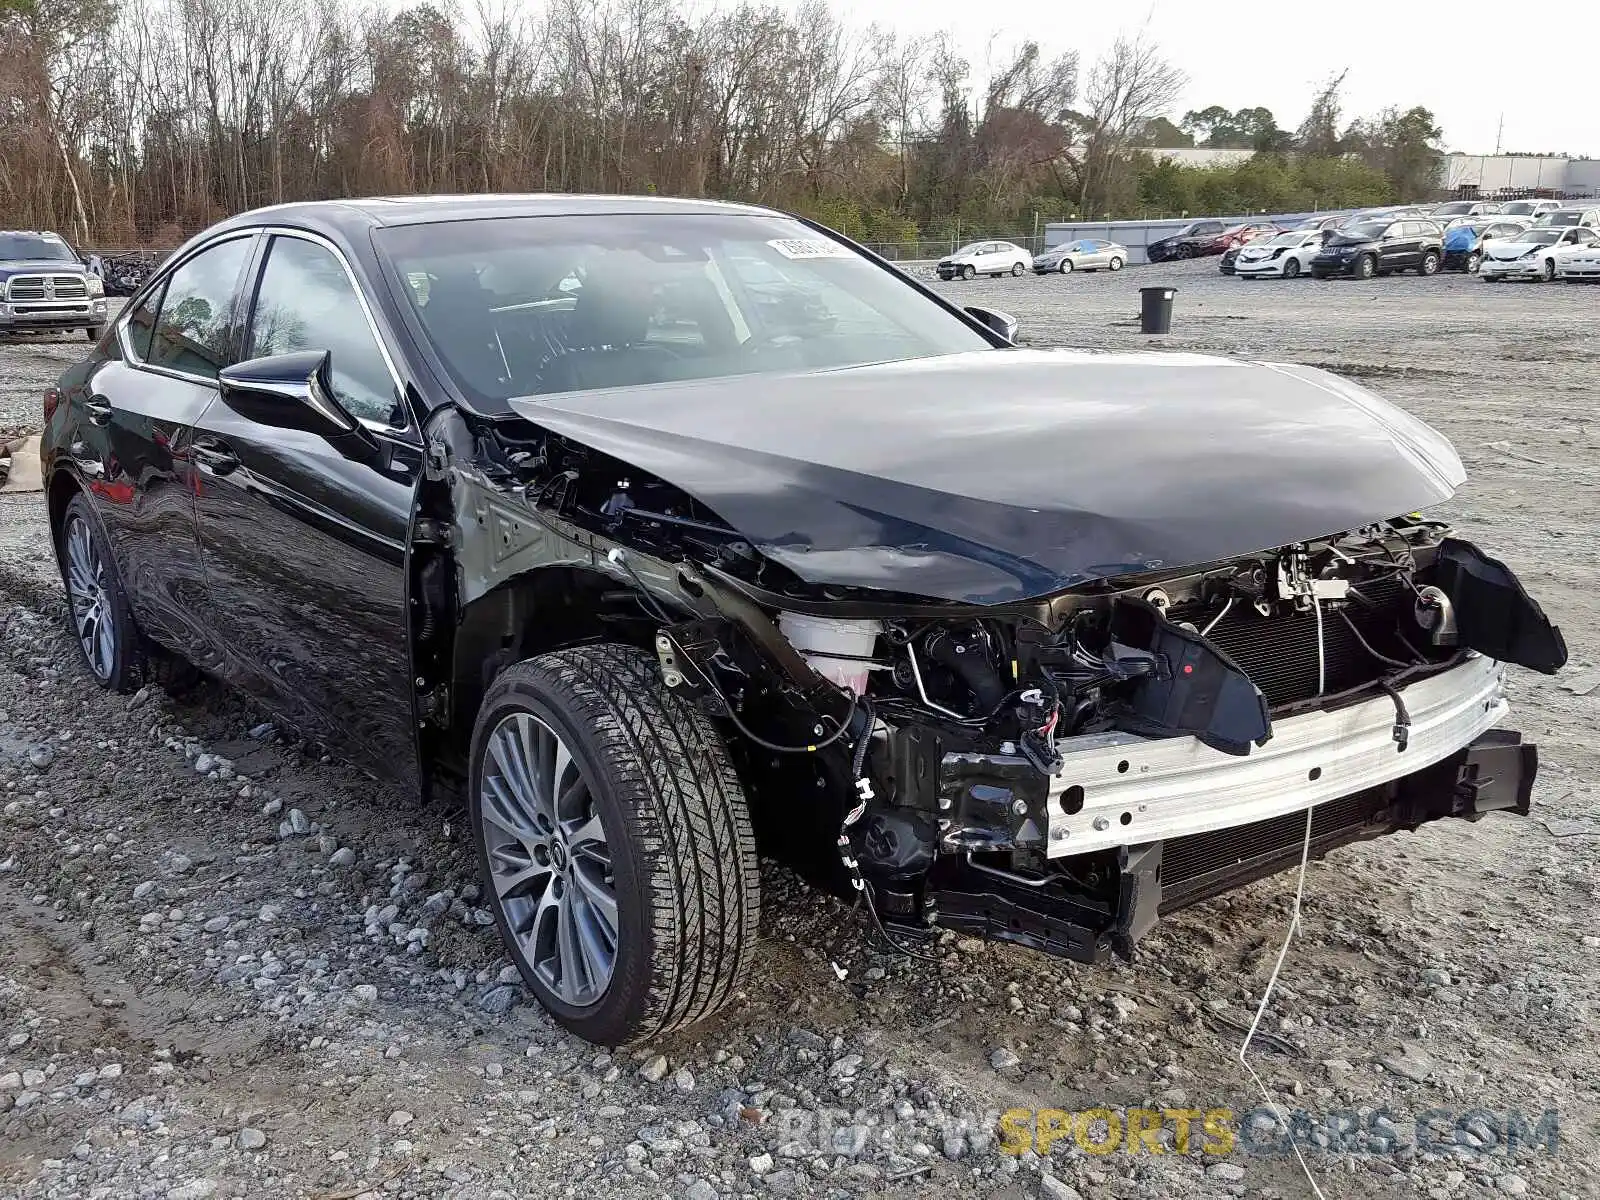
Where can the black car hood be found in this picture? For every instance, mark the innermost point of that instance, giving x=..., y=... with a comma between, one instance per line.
x=1001, y=475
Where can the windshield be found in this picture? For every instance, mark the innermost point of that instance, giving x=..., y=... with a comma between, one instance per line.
x=1518, y=208
x=1562, y=218
x=1285, y=239
x=1538, y=237
x=1459, y=209
x=531, y=306
x=22, y=247
x=1365, y=230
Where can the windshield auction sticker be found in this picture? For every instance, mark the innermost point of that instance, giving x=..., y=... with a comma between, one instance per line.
x=808, y=248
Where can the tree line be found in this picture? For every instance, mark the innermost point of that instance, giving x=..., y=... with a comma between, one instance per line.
x=138, y=122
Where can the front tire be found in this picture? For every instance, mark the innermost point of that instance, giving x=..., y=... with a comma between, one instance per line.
x=1291, y=268
x=969, y=272
x=1016, y=270
x=1066, y=266
x=614, y=842
x=1548, y=271
x=1366, y=267
x=1474, y=261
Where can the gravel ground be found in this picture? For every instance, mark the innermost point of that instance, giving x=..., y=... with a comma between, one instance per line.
x=236, y=969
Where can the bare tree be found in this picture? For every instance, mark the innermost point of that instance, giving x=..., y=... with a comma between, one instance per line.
x=1128, y=87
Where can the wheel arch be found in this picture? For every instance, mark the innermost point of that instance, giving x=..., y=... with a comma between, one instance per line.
x=545, y=608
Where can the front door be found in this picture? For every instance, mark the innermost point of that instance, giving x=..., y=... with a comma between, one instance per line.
x=304, y=546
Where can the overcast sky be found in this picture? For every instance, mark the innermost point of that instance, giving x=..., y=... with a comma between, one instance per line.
x=1240, y=55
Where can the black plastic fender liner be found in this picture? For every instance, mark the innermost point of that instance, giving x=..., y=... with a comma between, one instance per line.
x=1494, y=614
x=1193, y=687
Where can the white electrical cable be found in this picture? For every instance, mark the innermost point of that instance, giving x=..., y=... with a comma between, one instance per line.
x=1216, y=620
x=1266, y=998
x=1322, y=658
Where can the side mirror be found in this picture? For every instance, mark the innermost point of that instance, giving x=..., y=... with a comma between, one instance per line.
x=292, y=391
x=996, y=321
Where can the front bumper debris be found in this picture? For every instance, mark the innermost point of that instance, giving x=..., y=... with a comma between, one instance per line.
x=1117, y=789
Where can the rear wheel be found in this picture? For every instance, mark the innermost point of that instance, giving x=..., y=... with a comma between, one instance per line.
x=102, y=620
x=1115, y=264
x=615, y=843
x=1291, y=268
x=1429, y=264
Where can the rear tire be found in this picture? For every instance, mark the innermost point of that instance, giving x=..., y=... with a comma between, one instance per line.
x=1429, y=264
x=98, y=612
x=1115, y=264
x=668, y=840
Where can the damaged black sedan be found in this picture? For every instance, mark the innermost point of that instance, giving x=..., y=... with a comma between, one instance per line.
x=663, y=530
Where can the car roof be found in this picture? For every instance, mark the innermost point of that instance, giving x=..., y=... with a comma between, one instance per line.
x=349, y=216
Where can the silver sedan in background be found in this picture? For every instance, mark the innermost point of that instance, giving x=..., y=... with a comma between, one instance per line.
x=1081, y=254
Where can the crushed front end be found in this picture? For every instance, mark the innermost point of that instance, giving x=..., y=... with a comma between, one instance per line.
x=1062, y=772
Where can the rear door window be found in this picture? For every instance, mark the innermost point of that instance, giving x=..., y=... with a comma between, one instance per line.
x=194, y=330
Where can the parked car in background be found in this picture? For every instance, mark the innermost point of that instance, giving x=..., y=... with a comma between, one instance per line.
x=1532, y=209
x=1284, y=255
x=1578, y=261
x=985, y=258
x=1463, y=243
x=1251, y=235
x=1380, y=248
x=1081, y=254
x=45, y=286
x=1187, y=242
x=646, y=604
x=1463, y=208
x=1577, y=214
x=1531, y=254
x=1323, y=223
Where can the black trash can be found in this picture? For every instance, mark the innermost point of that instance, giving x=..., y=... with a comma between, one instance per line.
x=1155, y=309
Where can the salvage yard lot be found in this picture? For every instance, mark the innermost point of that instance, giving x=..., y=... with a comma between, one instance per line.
x=199, y=999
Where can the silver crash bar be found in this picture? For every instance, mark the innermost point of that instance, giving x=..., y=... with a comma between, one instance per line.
x=1119, y=789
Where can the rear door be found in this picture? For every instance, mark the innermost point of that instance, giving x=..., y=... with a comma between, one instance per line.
x=135, y=457
x=304, y=546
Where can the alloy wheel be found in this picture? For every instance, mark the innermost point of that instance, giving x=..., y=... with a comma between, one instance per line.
x=92, y=617
x=549, y=860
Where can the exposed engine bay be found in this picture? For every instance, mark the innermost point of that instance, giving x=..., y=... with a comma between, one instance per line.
x=924, y=755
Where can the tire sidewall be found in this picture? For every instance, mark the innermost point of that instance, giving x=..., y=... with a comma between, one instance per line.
x=1115, y=264
x=1429, y=264
x=1291, y=269
x=1367, y=267
x=969, y=272
x=626, y=996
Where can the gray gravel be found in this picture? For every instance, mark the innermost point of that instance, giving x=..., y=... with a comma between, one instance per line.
x=201, y=995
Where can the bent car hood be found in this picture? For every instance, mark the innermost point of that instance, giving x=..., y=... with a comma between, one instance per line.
x=1002, y=475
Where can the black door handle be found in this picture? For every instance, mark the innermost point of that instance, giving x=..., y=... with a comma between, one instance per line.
x=99, y=410
x=213, y=455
